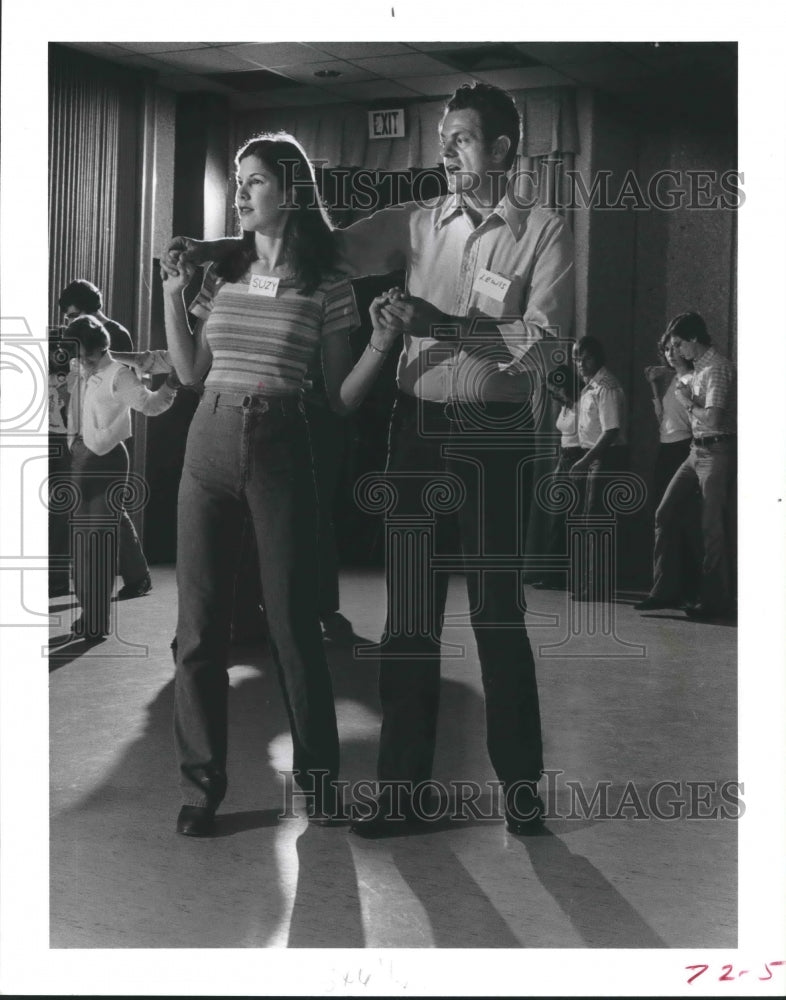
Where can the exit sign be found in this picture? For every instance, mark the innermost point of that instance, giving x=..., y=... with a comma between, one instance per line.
x=386, y=124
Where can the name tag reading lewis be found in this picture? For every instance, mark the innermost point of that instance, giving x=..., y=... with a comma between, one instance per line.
x=493, y=285
x=262, y=284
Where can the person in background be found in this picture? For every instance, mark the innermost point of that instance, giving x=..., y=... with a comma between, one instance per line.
x=710, y=400
x=99, y=422
x=562, y=386
x=601, y=427
x=675, y=441
x=83, y=298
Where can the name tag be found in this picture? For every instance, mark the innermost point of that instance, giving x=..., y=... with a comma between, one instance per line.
x=493, y=285
x=262, y=284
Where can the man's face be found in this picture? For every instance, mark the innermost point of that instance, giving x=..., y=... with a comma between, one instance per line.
x=465, y=154
x=586, y=364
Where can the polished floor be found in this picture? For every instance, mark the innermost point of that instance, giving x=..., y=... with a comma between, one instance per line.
x=627, y=703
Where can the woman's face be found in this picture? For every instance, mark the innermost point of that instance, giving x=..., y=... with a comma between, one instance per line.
x=673, y=358
x=259, y=198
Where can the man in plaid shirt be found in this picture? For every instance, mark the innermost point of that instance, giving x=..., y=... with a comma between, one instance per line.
x=709, y=393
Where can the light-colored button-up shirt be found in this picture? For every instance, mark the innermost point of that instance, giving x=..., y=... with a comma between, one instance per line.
x=523, y=255
x=714, y=383
x=100, y=406
x=601, y=408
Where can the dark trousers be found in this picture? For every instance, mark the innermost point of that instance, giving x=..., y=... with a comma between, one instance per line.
x=248, y=460
x=99, y=481
x=427, y=442
x=328, y=434
x=708, y=475
x=131, y=563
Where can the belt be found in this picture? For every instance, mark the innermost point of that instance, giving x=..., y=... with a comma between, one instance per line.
x=702, y=442
x=250, y=400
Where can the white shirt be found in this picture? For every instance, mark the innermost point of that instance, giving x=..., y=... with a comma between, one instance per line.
x=568, y=426
x=100, y=406
x=601, y=408
x=675, y=422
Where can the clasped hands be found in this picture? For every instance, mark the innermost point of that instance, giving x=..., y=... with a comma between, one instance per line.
x=395, y=312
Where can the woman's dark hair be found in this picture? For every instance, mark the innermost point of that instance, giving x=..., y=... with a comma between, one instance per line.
x=90, y=334
x=497, y=110
x=82, y=295
x=689, y=326
x=564, y=377
x=308, y=240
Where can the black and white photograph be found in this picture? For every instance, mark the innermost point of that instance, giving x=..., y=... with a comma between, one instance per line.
x=382, y=575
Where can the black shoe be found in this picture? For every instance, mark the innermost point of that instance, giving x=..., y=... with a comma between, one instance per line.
x=707, y=613
x=196, y=821
x=337, y=630
x=524, y=815
x=655, y=604
x=138, y=589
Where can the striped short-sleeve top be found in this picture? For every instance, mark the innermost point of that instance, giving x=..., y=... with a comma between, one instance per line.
x=264, y=344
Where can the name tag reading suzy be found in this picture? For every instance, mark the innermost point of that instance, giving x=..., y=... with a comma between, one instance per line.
x=493, y=285
x=263, y=284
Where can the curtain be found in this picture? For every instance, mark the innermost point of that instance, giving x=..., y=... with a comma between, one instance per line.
x=338, y=135
x=95, y=114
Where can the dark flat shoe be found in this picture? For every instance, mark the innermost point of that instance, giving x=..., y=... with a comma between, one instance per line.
x=196, y=821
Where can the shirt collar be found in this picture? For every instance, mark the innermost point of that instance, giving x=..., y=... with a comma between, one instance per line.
x=514, y=216
x=598, y=378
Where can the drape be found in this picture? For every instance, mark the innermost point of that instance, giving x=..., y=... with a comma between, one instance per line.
x=94, y=179
x=337, y=135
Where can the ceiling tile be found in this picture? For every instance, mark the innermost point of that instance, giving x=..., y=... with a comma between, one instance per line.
x=555, y=53
x=349, y=73
x=148, y=47
x=447, y=46
x=520, y=79
x=103, y=50
x=414, y=64
x=361, y=50
x=371, y=90
x=210, y=60
x=275, y=54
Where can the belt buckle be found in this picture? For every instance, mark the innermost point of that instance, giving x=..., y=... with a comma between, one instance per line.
x=247, y=401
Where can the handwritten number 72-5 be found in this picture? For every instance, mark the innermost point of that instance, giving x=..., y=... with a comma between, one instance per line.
x=728, y=975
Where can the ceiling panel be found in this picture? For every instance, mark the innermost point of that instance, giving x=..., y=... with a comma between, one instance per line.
x=104, y=50
x=349, y=73
x=447, y=46
x=297, y=97
x=273, y=54
x=211, y=60
x=361, y=50
x=414, y=64
x=555, y=53
x=148, y=47
x=192, y=82
x=602, y=71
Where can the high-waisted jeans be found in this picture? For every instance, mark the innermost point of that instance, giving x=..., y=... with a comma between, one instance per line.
x=248, y=458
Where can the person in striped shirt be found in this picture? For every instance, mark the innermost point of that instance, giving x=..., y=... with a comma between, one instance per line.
x=261, y=314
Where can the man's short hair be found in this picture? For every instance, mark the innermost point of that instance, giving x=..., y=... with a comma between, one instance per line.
x=593, y=347
x=82, y=295
x=689, y=326
x=498, y=113
x=90, y=334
